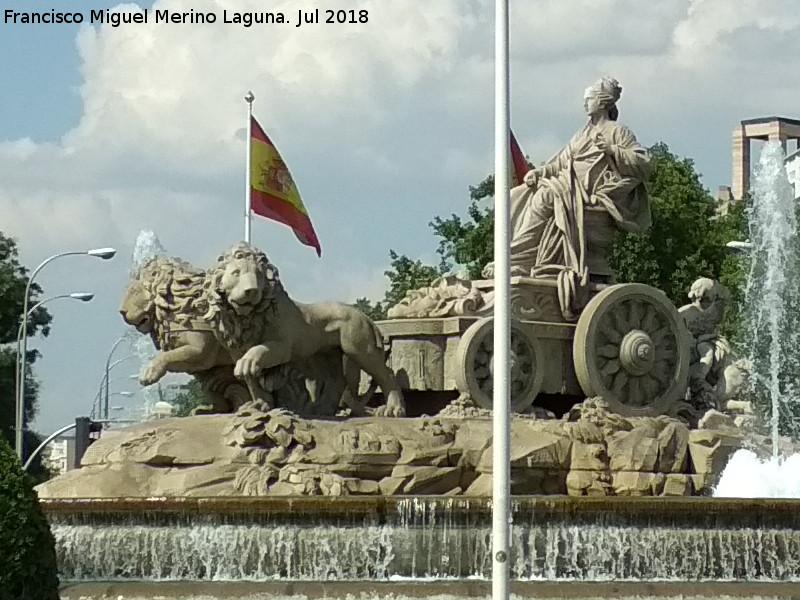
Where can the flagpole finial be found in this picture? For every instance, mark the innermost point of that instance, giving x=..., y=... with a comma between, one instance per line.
x=249, y=97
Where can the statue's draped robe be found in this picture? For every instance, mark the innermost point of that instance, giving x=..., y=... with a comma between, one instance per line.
x=547, y=221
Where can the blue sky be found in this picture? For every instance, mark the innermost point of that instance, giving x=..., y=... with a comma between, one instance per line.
x=107, y=131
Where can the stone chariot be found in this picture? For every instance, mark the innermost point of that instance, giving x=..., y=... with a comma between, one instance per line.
x=629, y=345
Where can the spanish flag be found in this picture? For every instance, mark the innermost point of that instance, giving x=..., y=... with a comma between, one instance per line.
x=519, y=166
x=273, y=193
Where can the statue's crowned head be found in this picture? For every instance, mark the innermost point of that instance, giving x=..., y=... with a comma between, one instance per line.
x=603, y=96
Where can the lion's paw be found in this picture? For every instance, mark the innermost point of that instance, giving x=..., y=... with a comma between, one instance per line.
x=250, y=364
x=152, y=372
x=394, y=407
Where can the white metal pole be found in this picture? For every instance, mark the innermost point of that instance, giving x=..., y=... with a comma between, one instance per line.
x=501, y=487
x=249, y=97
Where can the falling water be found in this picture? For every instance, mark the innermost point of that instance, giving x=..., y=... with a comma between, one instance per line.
x=771, y=295
x=425, y=538
x=147, y=246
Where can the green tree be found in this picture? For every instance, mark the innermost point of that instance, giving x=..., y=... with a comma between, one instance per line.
x=27, y=548
x=470, y=242
x=375, y=311
x=186, y=397
x=13, y=279
x=406, y=274
x=687, y=238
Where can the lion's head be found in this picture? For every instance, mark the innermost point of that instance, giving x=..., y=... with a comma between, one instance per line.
x=240, y=288
x=161, y=292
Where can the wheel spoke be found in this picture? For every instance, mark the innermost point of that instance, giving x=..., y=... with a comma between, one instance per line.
x=658, y=335
x=635, y=395
x=608, y=351
x=620, y=323
x=665, y=350
x=610, y=367
x=606, y=329
x=661, y=371
x=653, y=386
x=649, y=319
x=620, y=381
x=634, y=313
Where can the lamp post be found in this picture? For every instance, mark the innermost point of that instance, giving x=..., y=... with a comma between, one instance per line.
x=82, y=296
x=96, y=403
x=22, y=350
x=109, y=366
x=105, y=254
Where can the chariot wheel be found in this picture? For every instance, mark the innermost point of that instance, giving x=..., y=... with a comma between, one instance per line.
x=632, y=348
x=475, y=365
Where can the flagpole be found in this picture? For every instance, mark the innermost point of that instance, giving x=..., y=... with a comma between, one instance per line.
x=501, y=486
x=249, y=97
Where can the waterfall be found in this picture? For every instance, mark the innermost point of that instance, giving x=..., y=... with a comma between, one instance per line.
x=425, y=538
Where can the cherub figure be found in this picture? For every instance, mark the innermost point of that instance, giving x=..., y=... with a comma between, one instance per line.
x=711, y=352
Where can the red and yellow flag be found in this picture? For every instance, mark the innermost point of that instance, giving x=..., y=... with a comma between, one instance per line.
x=519, y=166
x=273, y=193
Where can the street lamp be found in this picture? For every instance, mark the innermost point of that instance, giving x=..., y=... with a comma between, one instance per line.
x=109, y=366
x=740, y=247
x=96, y=404
x=22, y=350
x=82, y=296
x=105, y=254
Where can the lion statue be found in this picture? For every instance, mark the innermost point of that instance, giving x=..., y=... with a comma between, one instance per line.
x=262, y=327
x=165, y=300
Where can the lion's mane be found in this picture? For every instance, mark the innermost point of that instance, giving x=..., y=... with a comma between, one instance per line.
x=176, y=289
x=236, y=332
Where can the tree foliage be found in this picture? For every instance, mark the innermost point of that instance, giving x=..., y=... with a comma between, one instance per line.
x=469, y=243
x=13, y=279
x=687, y=238
x=186, y=397
x=375, y=311
x=27, y=549
x=404, y=275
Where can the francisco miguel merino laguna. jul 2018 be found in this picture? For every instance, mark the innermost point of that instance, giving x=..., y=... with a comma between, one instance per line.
x=245, y=19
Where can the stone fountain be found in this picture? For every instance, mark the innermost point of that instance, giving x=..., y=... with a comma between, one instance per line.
x=338, y=449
